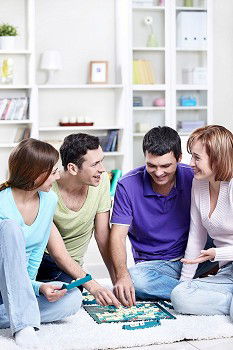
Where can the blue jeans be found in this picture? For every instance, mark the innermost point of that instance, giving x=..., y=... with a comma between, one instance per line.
x=155, y=279
x=206, y=296
x=49, y=271
x=19, y=306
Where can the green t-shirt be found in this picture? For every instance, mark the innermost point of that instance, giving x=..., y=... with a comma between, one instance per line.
x=76, y=228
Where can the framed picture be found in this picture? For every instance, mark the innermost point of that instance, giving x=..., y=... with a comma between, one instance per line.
x=98, y=72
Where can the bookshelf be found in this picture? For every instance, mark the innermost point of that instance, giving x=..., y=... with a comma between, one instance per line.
x=122, y=38
x=71, y=95
x=170, y=60
x=18, y=13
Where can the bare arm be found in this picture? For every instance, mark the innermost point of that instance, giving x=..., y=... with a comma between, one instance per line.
x=102, y=234
x=58, y=251
x=123, y=288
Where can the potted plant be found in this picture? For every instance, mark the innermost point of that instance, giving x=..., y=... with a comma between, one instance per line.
x=7, y=36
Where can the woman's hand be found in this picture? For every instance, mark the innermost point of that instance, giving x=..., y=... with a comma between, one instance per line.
x=205, y=255
x=51, y=292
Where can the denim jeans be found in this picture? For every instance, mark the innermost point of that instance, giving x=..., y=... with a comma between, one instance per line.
x=19, y=306
x=49, y=271
x=155, y=279
x=206, y=296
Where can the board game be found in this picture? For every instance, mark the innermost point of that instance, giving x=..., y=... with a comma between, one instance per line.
x=142, y=311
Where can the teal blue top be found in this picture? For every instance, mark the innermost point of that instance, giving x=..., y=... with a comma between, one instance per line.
x=37, y=234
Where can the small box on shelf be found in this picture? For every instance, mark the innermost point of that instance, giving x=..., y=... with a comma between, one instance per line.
x=192, y=30
x=190, y=125
x=187, y=101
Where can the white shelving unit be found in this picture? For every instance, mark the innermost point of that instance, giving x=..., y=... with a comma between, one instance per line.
x=168, y=60
x=120, y=39
x=104, y=104
x=24, y=84
x=107, y=105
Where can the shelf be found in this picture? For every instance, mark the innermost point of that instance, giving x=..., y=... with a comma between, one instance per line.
x=183, y=8
x=191, y=108
x=10, y=122
x=148, y=87
x=148, y=49
x=180, y=49
x=8, y=145
x=82, y=86
x=15, y=52
x=14, y=87
x=149, y=108
x=113, y=154
x=150, y=8
x=72, y=128
x=191, y=87
x=139, y=134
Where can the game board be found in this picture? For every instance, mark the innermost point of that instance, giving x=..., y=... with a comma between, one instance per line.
x=88, y=299
x=142, y=311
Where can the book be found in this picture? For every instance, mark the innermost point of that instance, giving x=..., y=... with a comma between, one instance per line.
x=21, y=112
x=114, y=143
x=6, y=110
x=3, y=104
x=150, y=72
x=111, y=135
x=22, y=133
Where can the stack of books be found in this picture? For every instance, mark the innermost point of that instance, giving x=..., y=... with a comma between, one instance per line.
x=109, y=142
x=13, y=108
x=143, y=72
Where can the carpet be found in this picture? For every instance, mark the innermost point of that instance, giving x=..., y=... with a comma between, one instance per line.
x=81, y=332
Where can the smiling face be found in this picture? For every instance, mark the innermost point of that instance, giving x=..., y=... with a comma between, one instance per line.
x=200, y=162
x=47, y=185
x=92, y=168
x=162, y=169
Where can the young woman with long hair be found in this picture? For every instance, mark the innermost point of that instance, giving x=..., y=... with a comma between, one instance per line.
x=211, y=148
x=26, y=214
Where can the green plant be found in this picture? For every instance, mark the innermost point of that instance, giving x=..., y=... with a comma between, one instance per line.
x=8, y=30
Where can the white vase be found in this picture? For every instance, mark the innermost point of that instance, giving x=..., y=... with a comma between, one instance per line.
x=7, y=42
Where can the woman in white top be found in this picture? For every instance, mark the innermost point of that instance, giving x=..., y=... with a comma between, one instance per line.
x=211, y=212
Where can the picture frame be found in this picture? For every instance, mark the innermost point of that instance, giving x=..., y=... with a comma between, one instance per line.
x=98, y=72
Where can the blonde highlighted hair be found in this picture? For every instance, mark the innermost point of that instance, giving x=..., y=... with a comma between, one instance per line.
x=218, y=142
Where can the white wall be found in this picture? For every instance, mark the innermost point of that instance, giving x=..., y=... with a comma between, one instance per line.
x=223, y=63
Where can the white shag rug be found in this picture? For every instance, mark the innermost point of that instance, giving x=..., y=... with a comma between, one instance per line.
x=82, y=332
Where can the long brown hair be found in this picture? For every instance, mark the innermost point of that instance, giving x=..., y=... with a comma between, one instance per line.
x=27, y=162
x=218, y=142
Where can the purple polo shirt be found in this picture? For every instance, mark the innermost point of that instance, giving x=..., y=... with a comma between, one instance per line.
x=158, y=224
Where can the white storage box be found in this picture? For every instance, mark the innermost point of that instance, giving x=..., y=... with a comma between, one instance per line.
x=192, y=30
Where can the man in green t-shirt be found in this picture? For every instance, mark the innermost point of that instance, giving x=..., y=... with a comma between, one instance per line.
x=83, y=208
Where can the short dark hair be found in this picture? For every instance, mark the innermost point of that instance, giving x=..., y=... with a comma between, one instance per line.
x=75, y=146
x=161, y=140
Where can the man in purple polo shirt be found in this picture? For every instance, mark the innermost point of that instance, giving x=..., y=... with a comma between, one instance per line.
x=152, y=207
